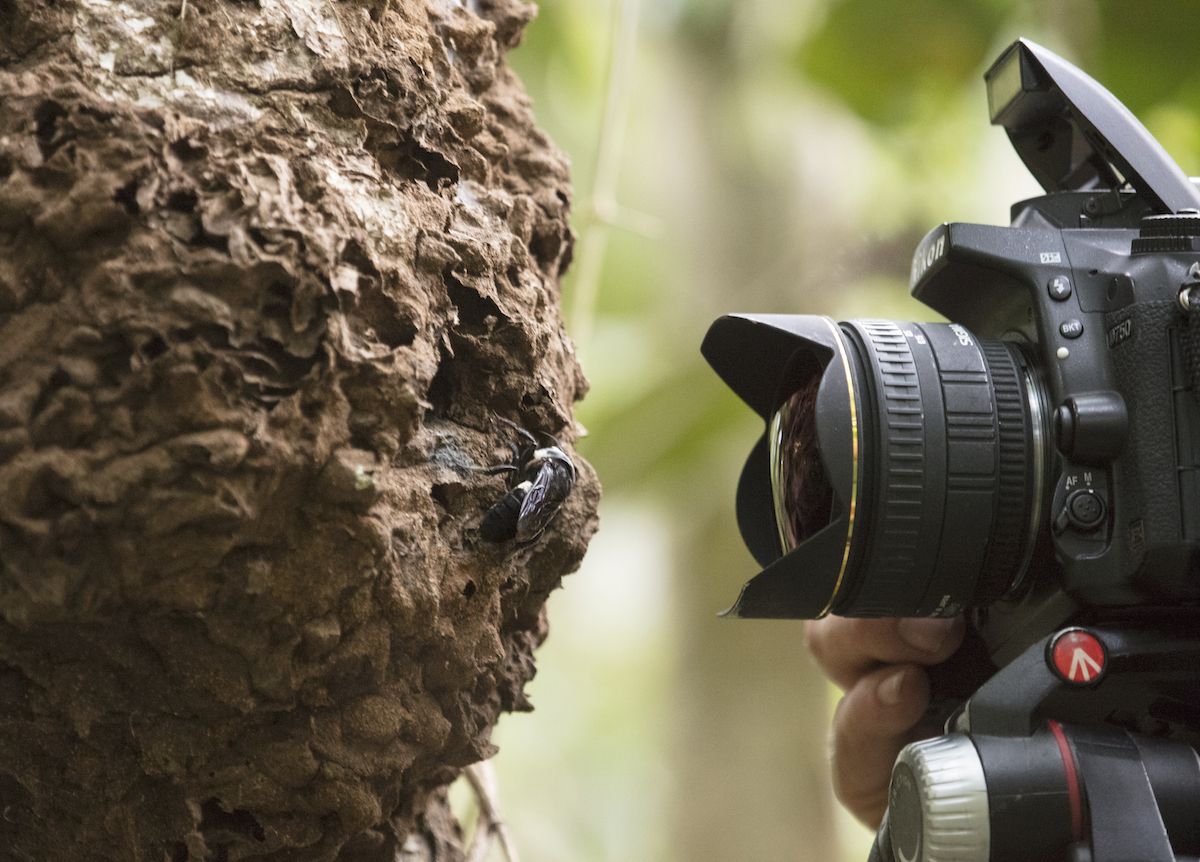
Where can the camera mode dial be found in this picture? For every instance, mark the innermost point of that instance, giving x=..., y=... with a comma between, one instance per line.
x=1168, y=233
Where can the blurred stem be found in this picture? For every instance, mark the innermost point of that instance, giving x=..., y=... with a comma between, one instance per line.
x=604, y=212
x=482, y=778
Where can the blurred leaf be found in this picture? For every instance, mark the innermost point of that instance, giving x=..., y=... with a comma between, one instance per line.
x=705, y=26
x=562, y=61
x=1137, y=62
x=1161, y=86
x=650, y=440
x=881, y=65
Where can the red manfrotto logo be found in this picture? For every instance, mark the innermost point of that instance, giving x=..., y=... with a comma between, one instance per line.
x=1077, y=657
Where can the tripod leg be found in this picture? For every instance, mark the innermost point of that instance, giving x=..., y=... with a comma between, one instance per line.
x=1126, y=825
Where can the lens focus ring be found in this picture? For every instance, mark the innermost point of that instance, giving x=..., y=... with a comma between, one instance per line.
x=901, y=482
x=1007, y=546
x=950, y=471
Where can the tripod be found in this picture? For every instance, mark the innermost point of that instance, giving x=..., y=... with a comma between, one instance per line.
x=1082, y=749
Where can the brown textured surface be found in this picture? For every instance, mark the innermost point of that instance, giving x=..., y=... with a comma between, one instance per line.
x=267, y=273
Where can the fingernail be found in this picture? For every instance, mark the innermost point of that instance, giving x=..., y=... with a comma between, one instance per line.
x=889, y=689
x=928, y=634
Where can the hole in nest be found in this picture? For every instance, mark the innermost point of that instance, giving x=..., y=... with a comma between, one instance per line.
x=399, y=332
x=473, y=307
x=411, y=160
x=443, y=495
x=152, y=348
x=6, y=167
x=186, y=150
x=355, y=255
x=211, y=240
x=278, y=300
x=126, y=196
x=443, y=389
x=469, y=589
x=546, y=247
x=388, y=321
x=47, y=117
x=216, y=822
x=183, y=200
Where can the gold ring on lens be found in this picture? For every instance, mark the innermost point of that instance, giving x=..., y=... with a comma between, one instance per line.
x=841, y=349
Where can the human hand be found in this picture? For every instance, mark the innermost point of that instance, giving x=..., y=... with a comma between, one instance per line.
x=878, y=663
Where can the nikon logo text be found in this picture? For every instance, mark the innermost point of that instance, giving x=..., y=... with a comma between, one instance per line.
x=928, y=253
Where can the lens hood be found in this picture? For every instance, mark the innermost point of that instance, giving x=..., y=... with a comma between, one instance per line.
x=764, y=358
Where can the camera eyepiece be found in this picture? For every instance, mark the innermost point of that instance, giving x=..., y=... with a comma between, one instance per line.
x=902, y=468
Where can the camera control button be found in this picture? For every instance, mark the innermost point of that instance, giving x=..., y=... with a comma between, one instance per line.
x=1059, y=287
x=1085, y=509
x=1072, y=328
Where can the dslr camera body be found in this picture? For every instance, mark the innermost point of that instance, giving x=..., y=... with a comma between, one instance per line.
x=1034, y=465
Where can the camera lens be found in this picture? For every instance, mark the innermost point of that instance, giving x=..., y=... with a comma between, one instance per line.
x=902, y=469
x=948, y=472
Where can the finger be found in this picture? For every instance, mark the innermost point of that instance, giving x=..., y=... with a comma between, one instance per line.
x=872, y=723
x=847, y=648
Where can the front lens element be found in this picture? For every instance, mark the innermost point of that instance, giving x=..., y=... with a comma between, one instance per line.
x=801, y=487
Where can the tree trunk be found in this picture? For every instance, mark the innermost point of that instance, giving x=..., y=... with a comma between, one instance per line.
x=269, y=273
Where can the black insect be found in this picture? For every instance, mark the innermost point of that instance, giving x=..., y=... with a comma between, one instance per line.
x=542, y=478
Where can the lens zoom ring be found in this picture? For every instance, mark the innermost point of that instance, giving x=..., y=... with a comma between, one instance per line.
x=1006, y=546
x=901, y=420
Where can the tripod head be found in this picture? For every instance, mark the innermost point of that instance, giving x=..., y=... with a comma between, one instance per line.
x=1114, y=778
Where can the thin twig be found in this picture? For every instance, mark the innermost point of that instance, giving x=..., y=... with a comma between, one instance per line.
x=604, y=207
x=482, y=778
x=183, y=10
x=481, y=843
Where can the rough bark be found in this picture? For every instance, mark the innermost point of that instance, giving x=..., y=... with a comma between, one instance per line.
x=269, y=273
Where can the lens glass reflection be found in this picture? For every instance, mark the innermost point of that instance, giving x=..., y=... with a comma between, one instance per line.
x=803, y=493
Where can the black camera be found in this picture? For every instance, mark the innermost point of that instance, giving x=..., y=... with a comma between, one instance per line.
x=1035, y=465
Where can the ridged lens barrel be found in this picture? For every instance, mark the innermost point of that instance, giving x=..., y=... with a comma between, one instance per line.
x=950, y=469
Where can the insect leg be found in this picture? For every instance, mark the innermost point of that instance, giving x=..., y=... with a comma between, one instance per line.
x=521, y=432
x=498, y=468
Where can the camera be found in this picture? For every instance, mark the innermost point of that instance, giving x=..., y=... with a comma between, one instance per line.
x=1033, y=464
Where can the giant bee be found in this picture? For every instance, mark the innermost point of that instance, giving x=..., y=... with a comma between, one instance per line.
x=542, y=477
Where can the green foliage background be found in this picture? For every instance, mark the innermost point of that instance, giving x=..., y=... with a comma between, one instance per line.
x=790, y=153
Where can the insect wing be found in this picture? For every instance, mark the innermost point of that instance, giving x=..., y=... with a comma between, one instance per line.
x=552, y=485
